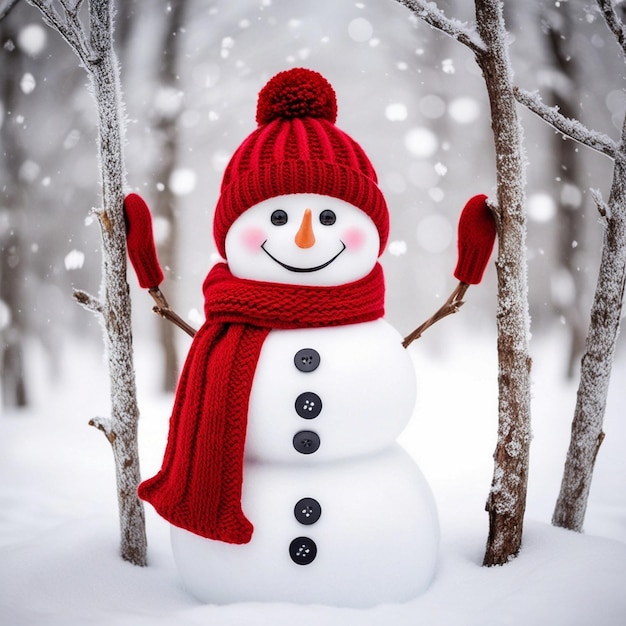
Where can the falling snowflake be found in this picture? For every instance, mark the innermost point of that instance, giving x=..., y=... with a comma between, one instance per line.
x=28, y=83
x=397, y=248
x=74, y=260
x=32, y=39
x=360, y=29
x=421, y=142
x=182, y=181
x=396, y=112
x=464, y=110
x=447, y=66
x=541, y=208
x=5, y=315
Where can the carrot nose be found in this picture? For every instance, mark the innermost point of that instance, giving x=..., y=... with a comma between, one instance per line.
x=304, y=237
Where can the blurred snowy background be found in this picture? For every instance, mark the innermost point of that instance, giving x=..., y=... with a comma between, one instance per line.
x=412, y=97
x=416, y=102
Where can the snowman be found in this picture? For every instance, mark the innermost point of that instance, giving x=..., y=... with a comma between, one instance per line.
x=282, y=479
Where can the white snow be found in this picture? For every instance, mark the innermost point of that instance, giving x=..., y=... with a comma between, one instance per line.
x=32, y=39
x=5, y=315
x=464, y=110
x=396, y=112
x=421, y=142
x=360, y=29
x=59, y=539
x=541, y=207
x=27, y=83
x=182, y=181
x=432, y=106
x=397, y=247
x=74, y=260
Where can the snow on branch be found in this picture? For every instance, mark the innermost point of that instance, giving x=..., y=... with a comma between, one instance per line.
x=68, y=25
x=569, y=127
x=91, y=303
x=105, y=425
x=433, y=16
x=603, y=207
x=613, y=22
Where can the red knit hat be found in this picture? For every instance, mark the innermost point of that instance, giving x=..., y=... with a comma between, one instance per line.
x=298, y=149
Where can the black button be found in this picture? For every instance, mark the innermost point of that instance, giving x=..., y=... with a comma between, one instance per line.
x=302, y=550
x=307, y=511
x=307, y=359
x=306, y=442
x=308, y=405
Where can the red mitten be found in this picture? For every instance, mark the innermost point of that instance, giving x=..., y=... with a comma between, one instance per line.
x=140, y=242
x=476, y=236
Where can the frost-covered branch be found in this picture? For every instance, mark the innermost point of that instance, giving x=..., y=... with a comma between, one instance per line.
x=68, y=26
x=105, y=425
x=613, y=22
x=603, y=207
x=91, y=303
x=570, y=128
x=432, y=15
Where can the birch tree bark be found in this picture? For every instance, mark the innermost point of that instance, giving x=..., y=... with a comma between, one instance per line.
x=606, y=309
x=506, y=502
x=94, y=47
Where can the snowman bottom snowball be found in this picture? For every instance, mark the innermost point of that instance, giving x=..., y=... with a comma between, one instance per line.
x=282, y=479
x=368, y=537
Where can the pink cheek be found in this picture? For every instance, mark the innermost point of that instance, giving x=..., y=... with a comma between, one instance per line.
x=251, y=238
x=354, y=238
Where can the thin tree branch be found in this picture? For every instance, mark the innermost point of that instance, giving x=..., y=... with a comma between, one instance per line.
x=105, y=425
x=71, y=31
x=163, y=309
x=613, y=22
x=72, y=6
x=603, y=207
x=433, y=16
x=91, y=303
x=570, y=128
x=450, y=306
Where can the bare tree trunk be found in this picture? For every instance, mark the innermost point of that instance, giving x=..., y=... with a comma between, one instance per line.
x=113, y=308
x=606, y=313
x=506, y=503
x=507, y=499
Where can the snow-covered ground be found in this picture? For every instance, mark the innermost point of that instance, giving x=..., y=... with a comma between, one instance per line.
x=59, y=559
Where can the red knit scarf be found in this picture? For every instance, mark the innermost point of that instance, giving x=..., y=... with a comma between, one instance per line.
x=200, y=482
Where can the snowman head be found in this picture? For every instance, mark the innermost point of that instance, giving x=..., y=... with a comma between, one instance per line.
x=299, y=201
x=303, y=239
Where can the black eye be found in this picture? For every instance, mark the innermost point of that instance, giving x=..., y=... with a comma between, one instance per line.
x=279, y=218
x=327, y=218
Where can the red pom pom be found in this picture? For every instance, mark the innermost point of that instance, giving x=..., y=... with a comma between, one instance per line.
x=140, y=242
x=476, y=236
x=296, y=93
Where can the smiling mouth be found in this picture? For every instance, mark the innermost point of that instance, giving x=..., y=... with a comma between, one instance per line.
x=291, y=268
